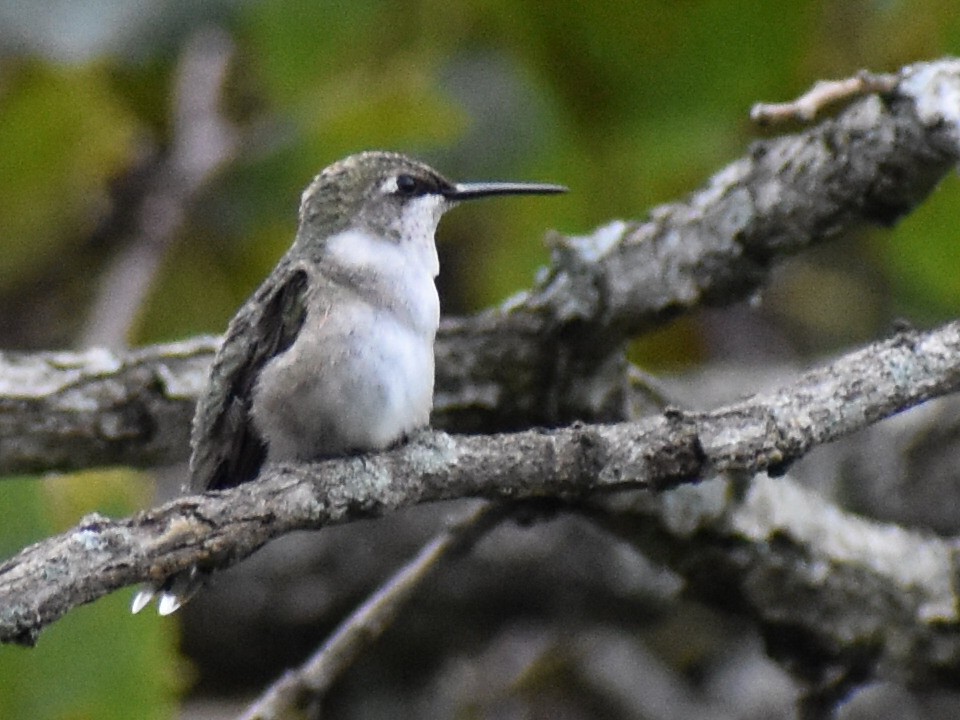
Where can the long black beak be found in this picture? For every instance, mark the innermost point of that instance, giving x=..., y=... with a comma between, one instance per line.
x=469, y=191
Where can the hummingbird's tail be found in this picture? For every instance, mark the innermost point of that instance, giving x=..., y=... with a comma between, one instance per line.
x=172, y=593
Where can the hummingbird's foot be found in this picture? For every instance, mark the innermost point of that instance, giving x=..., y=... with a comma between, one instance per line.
x=172, y=594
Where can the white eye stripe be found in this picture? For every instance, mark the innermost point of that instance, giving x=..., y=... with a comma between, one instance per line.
x=408, y=185
x=389, y=186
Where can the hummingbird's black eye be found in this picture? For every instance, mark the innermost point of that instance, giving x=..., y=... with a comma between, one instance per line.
x=408, y=185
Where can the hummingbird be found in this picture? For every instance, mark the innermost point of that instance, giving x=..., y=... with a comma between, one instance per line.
x=333, y=353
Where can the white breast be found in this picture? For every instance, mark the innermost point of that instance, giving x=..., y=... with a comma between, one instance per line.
x=360, y=374
x=406, y=270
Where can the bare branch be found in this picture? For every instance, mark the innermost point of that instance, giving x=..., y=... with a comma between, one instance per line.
x=835, y=595
x=311, y=681
x=825, y=92
x=83, y=409
x=872, y=164
x=218, y=529
x=552, y=355
x=202, y=143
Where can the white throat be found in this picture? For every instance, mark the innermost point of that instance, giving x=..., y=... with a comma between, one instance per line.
x=401, y=274
x=411, y=244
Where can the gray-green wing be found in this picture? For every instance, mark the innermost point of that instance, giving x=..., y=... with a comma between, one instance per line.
x=227, y=450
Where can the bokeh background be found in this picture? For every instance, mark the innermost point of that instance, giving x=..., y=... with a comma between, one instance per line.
x=630, y=104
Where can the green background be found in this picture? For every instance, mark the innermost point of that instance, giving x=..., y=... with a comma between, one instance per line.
x=630, y=104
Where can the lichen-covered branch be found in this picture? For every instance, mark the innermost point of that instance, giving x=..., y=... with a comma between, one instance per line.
x=839, y=599
x=552, y=355
x=872, y=164
x=217, y=529
x=68, y=410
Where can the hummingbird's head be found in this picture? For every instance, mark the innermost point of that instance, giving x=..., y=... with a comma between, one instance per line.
x=383, y=193
x=391, y=195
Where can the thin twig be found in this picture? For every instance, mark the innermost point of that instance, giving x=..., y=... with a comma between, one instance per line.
x=202, y=143
x=825, y=92
x=310, y=682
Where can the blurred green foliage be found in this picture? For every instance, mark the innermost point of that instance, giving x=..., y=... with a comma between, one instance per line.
x=99, y=661
x=64, y=135
x=629, y=103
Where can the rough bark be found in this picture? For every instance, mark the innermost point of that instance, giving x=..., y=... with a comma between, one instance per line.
x=215, y=530
x=837, y=597
x=551, y=355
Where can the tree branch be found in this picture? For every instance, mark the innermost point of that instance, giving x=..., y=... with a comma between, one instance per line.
x=840, y=600
x=308, y=683
x=202, y=143
x=823, y=94
x=68, y=410
x=551, y=355
x=218, y=529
